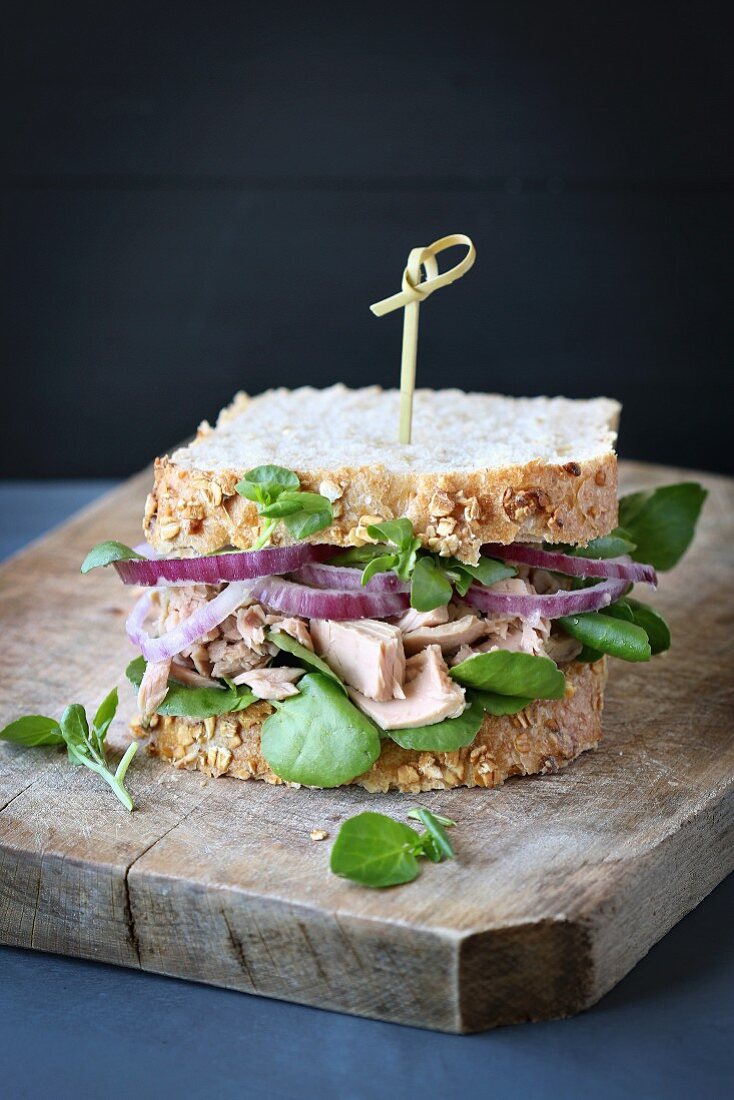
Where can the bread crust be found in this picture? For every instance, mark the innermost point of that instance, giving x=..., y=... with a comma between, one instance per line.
x=543, y=738
x=453, y=513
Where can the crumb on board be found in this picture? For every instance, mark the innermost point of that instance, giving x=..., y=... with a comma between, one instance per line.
x=319, y=834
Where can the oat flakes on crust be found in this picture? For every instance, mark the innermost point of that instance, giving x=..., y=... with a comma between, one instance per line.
x=452, y=513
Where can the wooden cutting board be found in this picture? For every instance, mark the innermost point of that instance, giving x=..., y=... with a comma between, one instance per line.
x=561, y=883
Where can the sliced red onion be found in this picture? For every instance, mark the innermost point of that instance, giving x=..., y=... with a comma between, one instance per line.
x=135, y=624
x=622, y=568
x=220, y=568
x=187, y=632
x=346, y=578
x=549, y=607
x=326, y=603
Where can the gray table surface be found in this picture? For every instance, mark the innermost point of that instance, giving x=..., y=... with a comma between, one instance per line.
x=79, y=1029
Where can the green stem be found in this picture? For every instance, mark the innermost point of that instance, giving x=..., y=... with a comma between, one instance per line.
x=264, y=537
x=125, y=762
x=111, y=779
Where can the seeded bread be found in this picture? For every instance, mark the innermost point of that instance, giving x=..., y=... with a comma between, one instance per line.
x=543, y=738
x=481, y=468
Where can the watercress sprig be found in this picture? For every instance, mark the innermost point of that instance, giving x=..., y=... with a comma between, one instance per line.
x=432, y=578
x=401, y=553
x=277, y=494
x=655, y=527
x=376, y=850
x=83, y=745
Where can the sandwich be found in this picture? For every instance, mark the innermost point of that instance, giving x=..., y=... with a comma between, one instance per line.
x=318, y=605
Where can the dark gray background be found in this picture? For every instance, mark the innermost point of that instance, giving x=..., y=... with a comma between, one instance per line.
x=206, y=196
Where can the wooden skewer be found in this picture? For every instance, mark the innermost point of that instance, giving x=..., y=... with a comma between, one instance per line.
x=410, y=297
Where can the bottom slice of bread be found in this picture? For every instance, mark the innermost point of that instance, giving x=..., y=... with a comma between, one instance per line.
x=544, y=737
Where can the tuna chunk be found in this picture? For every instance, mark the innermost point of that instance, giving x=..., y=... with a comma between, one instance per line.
x=153, y=688
x=296, y=628
x=416, y=620
x=366, y=653
x=430, y=695
x=515, y=635
x=251, y=626
x=271, y=683
x=232, y=658
x=449, y=636
x=187, y=675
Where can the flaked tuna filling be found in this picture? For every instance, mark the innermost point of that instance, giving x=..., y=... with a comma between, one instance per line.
x=396, y=670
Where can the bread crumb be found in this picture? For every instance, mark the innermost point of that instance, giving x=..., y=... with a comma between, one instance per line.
x=319, y=834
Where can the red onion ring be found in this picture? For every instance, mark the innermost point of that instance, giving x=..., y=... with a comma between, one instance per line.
x=187, y=632
x=549, y=607
x=220, y=568
x=327, y=603
x=622, y=568
x=346, y=578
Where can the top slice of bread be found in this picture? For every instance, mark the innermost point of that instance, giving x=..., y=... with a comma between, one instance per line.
x=481, y=468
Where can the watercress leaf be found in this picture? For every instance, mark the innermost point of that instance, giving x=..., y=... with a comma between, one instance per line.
x=310, y=519
x=104, y=553
x=430, y=587
x=270, y=480
x=653, y=623
x=417, y=809
x=435, y=830
x=496, y=704
x=32, y=730
x=407, y=559
x=397, y=531
x=319, y=737
x=375, y=850
x=505, y=673
x=630, y=505
x=253, y=492
x=461, y=580
x=662, y=522
x=287, y=504
x=312, y=503
x=446, y=736
x=359, y=555
x=105, y=713
x=304, y=655
x=432, y=848
x=429, y=848
x=185, y=701
x=244, y=698
x=608, y=635
x=607, y=546
x=75, y=731
x=589, y=656
x=378, y=565
x=489, y=570
x=620, y=610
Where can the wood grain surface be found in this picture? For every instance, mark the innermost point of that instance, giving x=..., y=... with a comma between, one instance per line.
x=562, y=883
